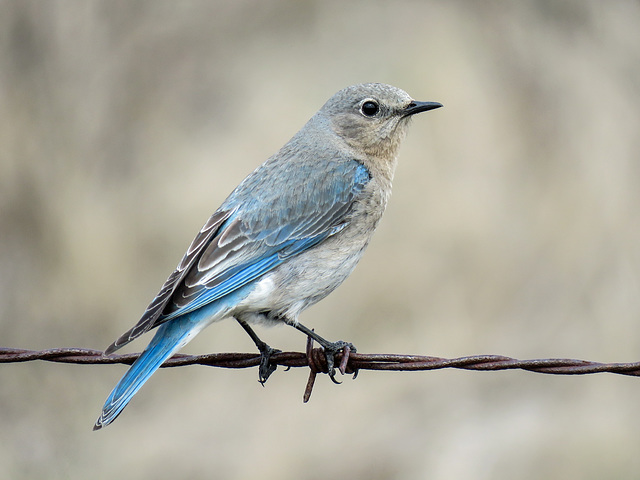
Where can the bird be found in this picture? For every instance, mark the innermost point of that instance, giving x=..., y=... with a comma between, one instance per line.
x=290, y=233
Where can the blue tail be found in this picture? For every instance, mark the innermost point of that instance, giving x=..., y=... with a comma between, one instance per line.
x=169, y=338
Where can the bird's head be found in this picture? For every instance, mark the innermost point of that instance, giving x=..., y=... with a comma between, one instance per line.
x=372, y=117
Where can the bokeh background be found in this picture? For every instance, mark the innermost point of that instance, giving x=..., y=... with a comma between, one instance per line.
x=513, y=229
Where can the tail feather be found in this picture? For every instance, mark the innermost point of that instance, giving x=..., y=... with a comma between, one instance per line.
x=169, y=338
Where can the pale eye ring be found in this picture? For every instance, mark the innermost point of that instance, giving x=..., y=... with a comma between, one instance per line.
x=370, y=108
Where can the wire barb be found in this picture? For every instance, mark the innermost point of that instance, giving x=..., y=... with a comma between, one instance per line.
x=313, y=371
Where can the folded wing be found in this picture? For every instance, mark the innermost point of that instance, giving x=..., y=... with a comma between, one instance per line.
x=254, y=231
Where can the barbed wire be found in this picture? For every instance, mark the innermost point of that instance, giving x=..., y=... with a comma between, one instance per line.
x=349, y=362
x=356, y=361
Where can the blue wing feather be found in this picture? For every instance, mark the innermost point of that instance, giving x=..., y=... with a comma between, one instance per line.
x=277, y=212
x=281, y=226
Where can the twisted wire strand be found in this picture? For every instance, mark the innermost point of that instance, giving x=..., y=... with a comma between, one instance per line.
x=315, y=357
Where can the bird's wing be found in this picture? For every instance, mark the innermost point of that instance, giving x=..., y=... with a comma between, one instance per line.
x=155, y=308
x=259, y=227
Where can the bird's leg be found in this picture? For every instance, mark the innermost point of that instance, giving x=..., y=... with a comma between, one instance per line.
x=330, y=348
x=266, y=367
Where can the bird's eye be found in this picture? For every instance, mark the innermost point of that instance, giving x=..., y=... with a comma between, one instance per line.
x=369, y=108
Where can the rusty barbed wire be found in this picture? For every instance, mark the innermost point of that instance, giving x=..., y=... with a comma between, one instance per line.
x=349, y=362
x=356, y=361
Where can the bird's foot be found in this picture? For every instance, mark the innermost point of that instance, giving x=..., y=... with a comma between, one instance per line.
x=266, y=366
x=330, y=351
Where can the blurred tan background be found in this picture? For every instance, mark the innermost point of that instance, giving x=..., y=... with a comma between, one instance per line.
x=513, y=229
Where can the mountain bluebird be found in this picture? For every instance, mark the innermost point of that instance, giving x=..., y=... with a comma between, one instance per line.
x=285, y=238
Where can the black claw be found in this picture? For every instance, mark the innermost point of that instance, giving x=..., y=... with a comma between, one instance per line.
x=266, y=367
x=330, y=351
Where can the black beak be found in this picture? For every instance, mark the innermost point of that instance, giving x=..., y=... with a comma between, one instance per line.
x=417, y=107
